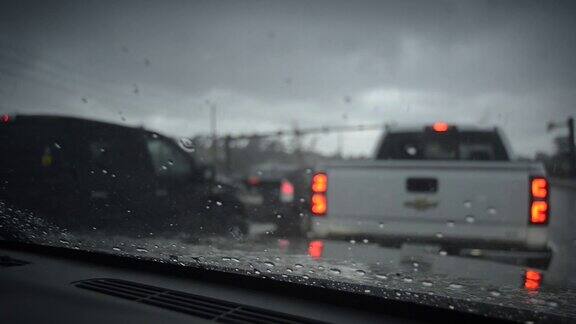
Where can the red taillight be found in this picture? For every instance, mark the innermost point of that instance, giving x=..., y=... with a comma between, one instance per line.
x=320, y=183
x=286, y=191
x=440, y=127
x=315, y=249
x=539, y=188
x=539, y=212
x=532, y=280
x=539, y=201
x=319, y=203
x=5, y=119
x=253, y=181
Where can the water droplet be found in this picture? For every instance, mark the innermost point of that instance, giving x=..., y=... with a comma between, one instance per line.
x=491, y=211
x=455, y=286
x=278, y=216
x=367, y=291
x=141, y=249
x=104, y=171
x=382, y=276
x=226, y=259
x=381, y=225
x=154, y=135
x=56, y=145
x=443, y=253
x=170, y=162
x=495, y=293
x=552, y=304
x=235, y=260
x=426, y=283
x=257, y=272
x=450, y=223
x=63, y=241
x=415, y=264
x=163, y=168
x=450, y=306
x=470, y=219
x=302, y=200
x=117, y=249
x=219, y=203
x=305, y=277
x=365, y=241
x=439, y=235
x=352, y=241
x=467, y=204
x=289, y=270
x=408, y=280
x=360, y=272
x=269, y=264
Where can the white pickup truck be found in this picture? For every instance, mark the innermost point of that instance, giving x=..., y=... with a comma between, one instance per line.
x=438, y=183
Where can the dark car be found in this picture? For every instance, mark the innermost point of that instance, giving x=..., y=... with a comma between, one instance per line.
x=84, y=174
x=272, y=196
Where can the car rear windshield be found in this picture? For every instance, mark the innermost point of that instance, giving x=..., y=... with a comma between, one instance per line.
x=468, y=145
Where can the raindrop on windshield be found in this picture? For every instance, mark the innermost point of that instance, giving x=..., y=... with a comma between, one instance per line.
x=104, y=171
x=455, y=286
x=381, y=225
x=450, y=223
x=352, y=241
x=439, y=235
x=495, y=293
x=470, y=219
x=492, y=211
x=56, y=145
x=468, y=204
x=289, y=270
x=365, y=241
x=141, y=249
x=335, y=271
x=298, y=265
x=269, y=264
x=219, y=203
x=360, y=272
x=408, y=280
x=117, y=249
x=426, y=284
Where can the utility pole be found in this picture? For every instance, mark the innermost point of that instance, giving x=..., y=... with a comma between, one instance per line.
x=214, y=145
x=572, y=147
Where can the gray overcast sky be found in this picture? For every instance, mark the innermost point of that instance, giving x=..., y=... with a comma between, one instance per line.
x=269, y=64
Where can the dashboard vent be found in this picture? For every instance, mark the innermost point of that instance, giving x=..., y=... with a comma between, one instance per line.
x=208, y=308
x=6, y=261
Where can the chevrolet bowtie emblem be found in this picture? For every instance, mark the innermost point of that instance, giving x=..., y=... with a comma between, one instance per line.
x=421, y=204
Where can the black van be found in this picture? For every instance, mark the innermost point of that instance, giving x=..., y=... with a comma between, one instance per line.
x=84, y=174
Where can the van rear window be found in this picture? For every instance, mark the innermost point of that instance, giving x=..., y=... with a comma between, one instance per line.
x=468, y=145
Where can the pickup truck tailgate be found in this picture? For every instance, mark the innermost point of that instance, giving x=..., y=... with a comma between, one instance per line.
x=450, y=197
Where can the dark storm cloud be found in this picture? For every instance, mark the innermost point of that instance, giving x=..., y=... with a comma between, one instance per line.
x=270, y=64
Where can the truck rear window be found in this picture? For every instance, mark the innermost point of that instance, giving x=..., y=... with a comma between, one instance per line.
x=469, y=145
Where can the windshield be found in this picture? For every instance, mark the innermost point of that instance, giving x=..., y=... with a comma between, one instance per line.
x=420, y=151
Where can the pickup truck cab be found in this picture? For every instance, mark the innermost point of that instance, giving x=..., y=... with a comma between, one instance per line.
x=441, y=183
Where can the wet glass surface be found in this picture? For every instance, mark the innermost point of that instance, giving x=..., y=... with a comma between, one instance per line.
x=418, y=151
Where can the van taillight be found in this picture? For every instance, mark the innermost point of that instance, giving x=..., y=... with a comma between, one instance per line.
x=5, y=119
x=319, y=202
x=539, y=201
